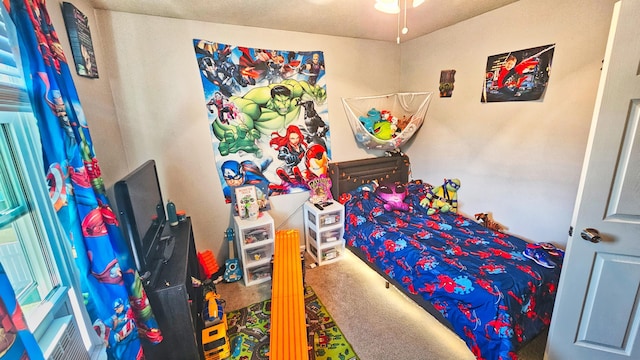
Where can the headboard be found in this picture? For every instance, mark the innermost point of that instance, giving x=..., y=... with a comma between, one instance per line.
x=349, y=175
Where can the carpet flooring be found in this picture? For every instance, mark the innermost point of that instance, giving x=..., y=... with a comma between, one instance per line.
x=249, y=326
x=380, y=323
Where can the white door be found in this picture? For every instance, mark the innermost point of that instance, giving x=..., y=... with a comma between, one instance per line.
x=597, y=311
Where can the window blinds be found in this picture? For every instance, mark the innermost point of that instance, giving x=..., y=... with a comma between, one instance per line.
x=13, y=92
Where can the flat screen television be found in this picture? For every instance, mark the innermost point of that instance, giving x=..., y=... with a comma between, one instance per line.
x=141, y=213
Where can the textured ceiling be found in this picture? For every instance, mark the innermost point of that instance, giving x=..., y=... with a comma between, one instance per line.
x=349, y=18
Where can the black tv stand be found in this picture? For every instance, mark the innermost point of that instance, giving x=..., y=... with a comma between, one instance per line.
x=168, y=246
x=175, y=302
x=150, y=278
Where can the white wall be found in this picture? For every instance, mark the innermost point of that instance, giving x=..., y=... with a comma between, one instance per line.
x=96, y=97
x=519, y=160
x=162, y=115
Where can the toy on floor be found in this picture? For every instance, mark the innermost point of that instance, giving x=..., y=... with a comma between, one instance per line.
x=486, y=220
x=212, y=314
x=237, y=347
x=232, y=271
x=393, y=196
x=208, y=263
x=215, y=342
x=443, y=198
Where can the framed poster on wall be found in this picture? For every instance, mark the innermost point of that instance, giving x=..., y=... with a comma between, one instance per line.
x=77, y=26
x=519, y=75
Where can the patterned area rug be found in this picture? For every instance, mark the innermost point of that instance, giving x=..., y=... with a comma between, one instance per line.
x=249, y=336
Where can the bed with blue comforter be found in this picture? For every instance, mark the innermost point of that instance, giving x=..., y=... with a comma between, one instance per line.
x=492, y=296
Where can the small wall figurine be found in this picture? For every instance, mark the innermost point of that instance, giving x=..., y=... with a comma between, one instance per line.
x=447, y=79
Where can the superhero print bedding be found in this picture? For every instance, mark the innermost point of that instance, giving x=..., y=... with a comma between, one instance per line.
x=494, y=296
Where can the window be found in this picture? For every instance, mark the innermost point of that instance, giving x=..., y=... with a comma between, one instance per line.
x=25, y=251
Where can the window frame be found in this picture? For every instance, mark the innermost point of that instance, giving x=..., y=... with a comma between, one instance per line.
x=16, y=135
x=25, y=223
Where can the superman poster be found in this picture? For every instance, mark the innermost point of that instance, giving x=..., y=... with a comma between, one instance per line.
x=520, y=75
x=267, y=114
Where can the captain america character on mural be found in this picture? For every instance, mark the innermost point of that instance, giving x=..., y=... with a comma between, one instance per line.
x=257, y=102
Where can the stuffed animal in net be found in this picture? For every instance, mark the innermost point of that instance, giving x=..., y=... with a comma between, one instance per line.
x=384, y=130
x=443, y=198
x=393, y=196
x=373, y=116
x=403, y=122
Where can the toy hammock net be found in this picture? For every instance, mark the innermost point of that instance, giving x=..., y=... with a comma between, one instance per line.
x=405, y=112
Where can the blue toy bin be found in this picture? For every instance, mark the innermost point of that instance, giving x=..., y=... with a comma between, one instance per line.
x=411, y=106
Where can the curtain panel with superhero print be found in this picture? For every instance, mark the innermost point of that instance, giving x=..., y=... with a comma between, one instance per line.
x=268, y=116
x=114, y=295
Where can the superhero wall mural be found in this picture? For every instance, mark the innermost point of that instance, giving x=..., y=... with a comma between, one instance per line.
x=268, y=116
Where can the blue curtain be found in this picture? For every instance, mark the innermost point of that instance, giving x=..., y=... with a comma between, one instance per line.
x=113, y=292
x=17, y=342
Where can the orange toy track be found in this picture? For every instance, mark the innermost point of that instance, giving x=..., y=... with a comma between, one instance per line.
x=208, y=263
x=288, y=325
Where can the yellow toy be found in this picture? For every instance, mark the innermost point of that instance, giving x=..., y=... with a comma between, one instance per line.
x=443, y=198
x=215, y=342
x=214, y=313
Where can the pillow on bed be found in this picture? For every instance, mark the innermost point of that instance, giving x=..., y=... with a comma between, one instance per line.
x=417, y=190
x=370, y=187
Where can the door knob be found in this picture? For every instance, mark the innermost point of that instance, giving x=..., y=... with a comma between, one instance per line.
x=591, y=234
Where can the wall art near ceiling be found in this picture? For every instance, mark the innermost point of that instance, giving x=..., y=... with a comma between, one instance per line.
x=520, y=75
x=447, y=79
x=267, y=114
x=77, y=26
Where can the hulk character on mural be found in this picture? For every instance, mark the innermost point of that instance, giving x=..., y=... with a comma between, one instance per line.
x=265, y=107
x=264, y=110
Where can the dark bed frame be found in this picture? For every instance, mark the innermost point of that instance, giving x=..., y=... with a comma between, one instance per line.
x=349, y=175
